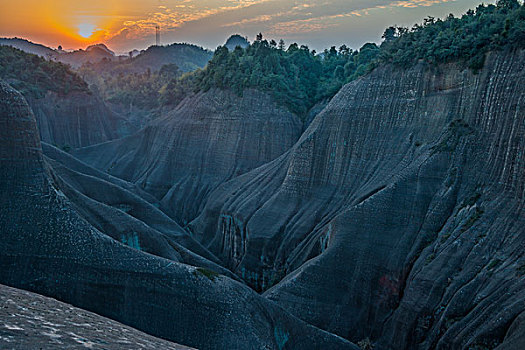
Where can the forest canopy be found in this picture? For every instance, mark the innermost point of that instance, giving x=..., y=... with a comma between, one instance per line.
x=466, y=39
x=33, y=75
x=298, y=77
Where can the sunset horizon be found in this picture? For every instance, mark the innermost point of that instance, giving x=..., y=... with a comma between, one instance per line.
x=262, y=174
x=126, y=25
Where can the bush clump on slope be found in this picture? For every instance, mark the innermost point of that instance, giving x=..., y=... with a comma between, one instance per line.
x=33, y=75
x=466, y=39
x=296, y=77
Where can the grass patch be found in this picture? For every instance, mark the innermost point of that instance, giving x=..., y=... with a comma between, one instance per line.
x=445, y=237
x=494, y=263
x=210, y=274
x=478, y=213
x=521, y=270
x=365, y=344
x=429, y=258
x=471, y=201
x=455, y=130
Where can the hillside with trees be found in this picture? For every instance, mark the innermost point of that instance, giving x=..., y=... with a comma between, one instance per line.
x=296, y=77
x=34, y=76
x=466, y=39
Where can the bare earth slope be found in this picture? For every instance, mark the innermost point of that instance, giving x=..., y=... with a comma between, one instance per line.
x=46, y=247
x=398, y=215
x=210, y=138
x=32, y=321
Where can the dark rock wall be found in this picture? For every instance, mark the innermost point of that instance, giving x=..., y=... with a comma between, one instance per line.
x=398, y=215
x=46, y=247
x=208, y=139
x=77, y=120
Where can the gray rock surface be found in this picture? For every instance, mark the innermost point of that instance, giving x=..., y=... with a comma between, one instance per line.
x=398, y=215
x=126, y=213
x=32, y=321
x=46, y=247
x=77, y=120
x=208, y=139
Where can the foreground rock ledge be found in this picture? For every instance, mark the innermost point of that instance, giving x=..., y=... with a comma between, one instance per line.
x=32, y=321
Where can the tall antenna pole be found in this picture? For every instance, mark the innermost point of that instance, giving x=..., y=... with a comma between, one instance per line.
x=157, y=35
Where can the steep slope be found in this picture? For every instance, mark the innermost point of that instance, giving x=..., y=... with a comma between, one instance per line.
x=30, y=320
x=208, y=139
x=77, y=120
x=68, y=113
x=47, y=248
x=124, y=212
x=400, y=210
x=29, y=47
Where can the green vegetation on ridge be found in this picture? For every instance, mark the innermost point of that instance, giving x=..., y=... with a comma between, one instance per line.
x=33, y=75
x=298, y=78
x=466, y=39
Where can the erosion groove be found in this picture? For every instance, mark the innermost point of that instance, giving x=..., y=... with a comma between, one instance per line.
x=407, y=266
x=394, y=220
x=48, y=248
x=208, y=139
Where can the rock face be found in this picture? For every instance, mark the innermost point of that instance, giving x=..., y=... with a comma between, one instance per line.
x=398, y=215
x=77, y=120
x=30, y=320
x=46, y=247
x=126, y=213
x=210, y=138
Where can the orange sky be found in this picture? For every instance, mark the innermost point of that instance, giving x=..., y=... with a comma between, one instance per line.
x=61, y=21
x=127, y=24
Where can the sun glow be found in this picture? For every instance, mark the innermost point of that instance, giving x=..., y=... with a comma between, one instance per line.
x=72, y=24
x=85, y=30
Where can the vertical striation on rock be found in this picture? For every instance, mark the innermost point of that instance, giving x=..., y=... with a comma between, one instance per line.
x=398, y=215
x=46, y=247
x=77, y=119
x=208, y=139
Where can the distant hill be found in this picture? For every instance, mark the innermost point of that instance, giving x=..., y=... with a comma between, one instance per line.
x=77, y=58
x=187, y=57
x=236, y=40
x=29, y=47
x=93, y=54
x=33, y=75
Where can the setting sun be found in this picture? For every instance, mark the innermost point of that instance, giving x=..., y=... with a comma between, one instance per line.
x=130, y=24
x=86, y=29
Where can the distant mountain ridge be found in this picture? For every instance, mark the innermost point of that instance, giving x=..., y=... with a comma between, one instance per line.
x=187, y=57
x=28, y=46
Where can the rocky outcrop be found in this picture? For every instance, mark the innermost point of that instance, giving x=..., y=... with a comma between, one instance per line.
x=30, y=320
x=77, y=120
x=46, y=247
x=208, y=139
x=398, y=215
x=126, y=213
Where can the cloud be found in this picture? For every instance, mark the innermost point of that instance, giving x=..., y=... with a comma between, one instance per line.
x=184, y=11
x=417, y=3
x=272, y=17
